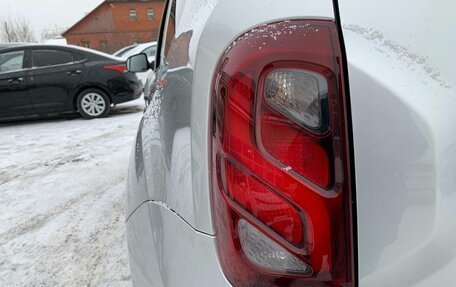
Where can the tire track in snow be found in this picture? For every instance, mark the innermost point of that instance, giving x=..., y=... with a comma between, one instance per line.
x=57, y=160
x=42, y=219
x=75, y=235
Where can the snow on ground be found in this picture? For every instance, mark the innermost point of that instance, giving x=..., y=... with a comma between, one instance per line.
x=62, y=187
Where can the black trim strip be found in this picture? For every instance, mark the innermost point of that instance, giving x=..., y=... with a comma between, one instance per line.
x=351, y=141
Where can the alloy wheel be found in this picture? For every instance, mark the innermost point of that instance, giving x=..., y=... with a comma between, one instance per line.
x=93, y=104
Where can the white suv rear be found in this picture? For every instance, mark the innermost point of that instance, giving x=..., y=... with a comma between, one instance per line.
x=297, y=143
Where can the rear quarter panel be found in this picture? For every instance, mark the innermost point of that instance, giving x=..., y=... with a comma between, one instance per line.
x=175, y=130
x=169, y=171
x=402, y=87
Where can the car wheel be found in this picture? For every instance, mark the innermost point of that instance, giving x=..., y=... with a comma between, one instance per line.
x=93, y=103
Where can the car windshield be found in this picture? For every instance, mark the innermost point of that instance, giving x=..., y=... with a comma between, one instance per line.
x=122, y=51
x=149, y=49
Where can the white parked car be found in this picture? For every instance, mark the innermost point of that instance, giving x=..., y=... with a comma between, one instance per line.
x=297, y=143
x=149, y=49
x=121, y=52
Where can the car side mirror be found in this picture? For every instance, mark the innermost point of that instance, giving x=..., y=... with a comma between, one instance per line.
x=138, y=63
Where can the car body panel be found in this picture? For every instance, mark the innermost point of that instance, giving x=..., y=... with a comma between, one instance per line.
x=402, y=95
x=170, y=162
x=14, y=96
x=402, y=89
x=175, y=127
x=167, y=252
x=51, y=88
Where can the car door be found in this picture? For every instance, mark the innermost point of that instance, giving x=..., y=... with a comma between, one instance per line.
x=166, y=127
x=14, y=97
x=53, y=79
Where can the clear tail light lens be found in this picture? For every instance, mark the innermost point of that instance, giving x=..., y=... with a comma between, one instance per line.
x=280, y=158
x=299, y=95
x=267, y=254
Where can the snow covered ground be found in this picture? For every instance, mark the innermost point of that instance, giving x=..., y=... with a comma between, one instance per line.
x=61, y=200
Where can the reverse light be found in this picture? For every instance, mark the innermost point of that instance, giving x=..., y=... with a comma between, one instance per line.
x=300, y=95
x=265, y=253
x=281, y=184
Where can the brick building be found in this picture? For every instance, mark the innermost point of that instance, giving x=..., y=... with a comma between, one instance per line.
x=115, y=24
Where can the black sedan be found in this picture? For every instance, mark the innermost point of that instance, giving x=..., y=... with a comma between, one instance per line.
x=43, y=80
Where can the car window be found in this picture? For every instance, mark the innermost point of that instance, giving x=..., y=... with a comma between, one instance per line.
x=176, y=45
x=44, y=58
x=12, y=61
x=79, y=57
x=150, y=52
x=170, y=30
x=124, y=51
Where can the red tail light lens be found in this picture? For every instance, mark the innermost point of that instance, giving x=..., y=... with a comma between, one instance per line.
x=262, y=202
x=281, y=176
x=118, y=68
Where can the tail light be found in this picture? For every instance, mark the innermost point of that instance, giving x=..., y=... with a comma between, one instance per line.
x=118, y=68
x=280, y=162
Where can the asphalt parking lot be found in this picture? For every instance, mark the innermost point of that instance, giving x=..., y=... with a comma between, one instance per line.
x=62, y=187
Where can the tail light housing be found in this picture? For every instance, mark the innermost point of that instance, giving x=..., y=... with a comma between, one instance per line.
x=281, y=189
x=122, y=68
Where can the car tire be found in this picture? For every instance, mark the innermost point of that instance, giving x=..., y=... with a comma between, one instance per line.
x=93, y=103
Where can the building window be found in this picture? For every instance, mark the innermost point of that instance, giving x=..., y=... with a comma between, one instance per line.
x=104, y=46
x=150, y=14
x=133, y=15
x=85, y=44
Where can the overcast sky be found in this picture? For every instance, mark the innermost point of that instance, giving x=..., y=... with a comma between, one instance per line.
x=47, y=14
